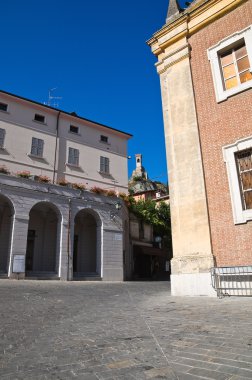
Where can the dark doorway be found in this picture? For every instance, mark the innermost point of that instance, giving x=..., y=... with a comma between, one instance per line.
x=42, y=238
x=86, y=258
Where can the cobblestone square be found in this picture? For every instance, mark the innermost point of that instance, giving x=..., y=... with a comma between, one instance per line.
x=116, y=331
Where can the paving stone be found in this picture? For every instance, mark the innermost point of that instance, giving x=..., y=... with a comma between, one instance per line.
x=120, y=331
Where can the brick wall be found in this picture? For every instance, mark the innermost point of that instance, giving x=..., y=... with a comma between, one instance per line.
x=219, y=125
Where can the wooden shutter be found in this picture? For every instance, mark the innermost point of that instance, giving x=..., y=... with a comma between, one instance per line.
x=2, y=135
x=102, y=164
x=34, y=146
x=71, y=156
x=76, y=157
x=106, y=165
x=244, y=164
x=40, y=148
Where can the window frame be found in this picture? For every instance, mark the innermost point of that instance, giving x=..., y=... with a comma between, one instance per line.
x=214, y=57
x=38, y=148
x=105, y=165
x=240, y=215
x=74, y=126
x=4, y=104
x=76, y=157
x=104, y=139
x=38, y=121
x=2, y=138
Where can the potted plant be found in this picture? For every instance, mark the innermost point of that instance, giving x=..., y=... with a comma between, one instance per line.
x=43, y=179
x=24, y=174
x=111, y=193
x=4, y=170
x=78, y=186
x=62, y=182
x=98, y=190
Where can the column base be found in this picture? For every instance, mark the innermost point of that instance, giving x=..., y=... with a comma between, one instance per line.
x=192, y=284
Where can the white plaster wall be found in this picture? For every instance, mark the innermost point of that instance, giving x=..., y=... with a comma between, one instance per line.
x=20, y=127
x=90, y=149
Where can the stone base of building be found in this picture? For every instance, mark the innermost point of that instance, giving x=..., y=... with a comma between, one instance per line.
x=192, y=284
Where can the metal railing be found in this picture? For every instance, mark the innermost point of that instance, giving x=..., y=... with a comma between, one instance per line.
x=232, y=281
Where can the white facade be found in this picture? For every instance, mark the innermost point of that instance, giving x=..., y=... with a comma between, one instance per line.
x=57, y=133
x=53, y=231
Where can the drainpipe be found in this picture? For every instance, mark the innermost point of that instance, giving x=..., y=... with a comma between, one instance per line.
x=56, y=147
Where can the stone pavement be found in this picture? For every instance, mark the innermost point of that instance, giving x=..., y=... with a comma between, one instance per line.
x=116, y=331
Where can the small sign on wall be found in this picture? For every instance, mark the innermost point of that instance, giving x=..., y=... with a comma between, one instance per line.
x=18, y=264
x=118, y=237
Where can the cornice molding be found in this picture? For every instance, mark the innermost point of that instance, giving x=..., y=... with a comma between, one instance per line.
x=194, y=19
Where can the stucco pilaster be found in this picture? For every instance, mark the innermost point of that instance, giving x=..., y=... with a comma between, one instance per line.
x=190, y=226
x=18, y=242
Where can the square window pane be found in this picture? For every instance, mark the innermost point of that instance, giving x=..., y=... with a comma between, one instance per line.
x=226, y=58
x=243, y=64
x=246, y=178
x=230, y=83
x=248, y=199
x=245, y=77
x=244, y=161
x=229, y=71
x=240, y=52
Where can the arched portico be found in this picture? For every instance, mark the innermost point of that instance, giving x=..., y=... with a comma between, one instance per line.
x=6, y=223
x=87, y=244
x=43, y=240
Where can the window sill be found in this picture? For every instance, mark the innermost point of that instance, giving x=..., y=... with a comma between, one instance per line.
x=224, y=95
x=74, y=133
x=5, y=112
x=104, y=142
x=34, y=156
x=72, y=165
x=39, y=122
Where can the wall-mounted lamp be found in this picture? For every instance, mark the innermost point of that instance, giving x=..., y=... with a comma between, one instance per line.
x=118, y=207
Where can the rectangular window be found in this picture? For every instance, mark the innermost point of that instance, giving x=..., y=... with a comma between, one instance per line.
x=39, y=118
x=2, y=136
x=104, y=165
x=37, y=147
x=104, y=139
x=235, y=66
x=73, y=156
x=244, y=167
x=231, y=64
x=3, y=107
x=74, y=129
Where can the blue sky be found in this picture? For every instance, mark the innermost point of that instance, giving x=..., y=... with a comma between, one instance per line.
x=95, y=53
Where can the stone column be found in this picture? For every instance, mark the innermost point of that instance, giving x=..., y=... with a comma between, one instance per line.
x=192, y=256
x=18, y=245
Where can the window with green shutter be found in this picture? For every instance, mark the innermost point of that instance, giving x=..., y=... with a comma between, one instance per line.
x=37, y=147
x=2, y=136
x=73, y=156
x=104, y=165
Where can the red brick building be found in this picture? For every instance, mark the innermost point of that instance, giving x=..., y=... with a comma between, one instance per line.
x=205, y=66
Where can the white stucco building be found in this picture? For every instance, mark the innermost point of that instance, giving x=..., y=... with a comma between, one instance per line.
x=52, y=231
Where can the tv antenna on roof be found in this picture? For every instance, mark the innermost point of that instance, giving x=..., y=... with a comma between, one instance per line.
x=52, y=100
